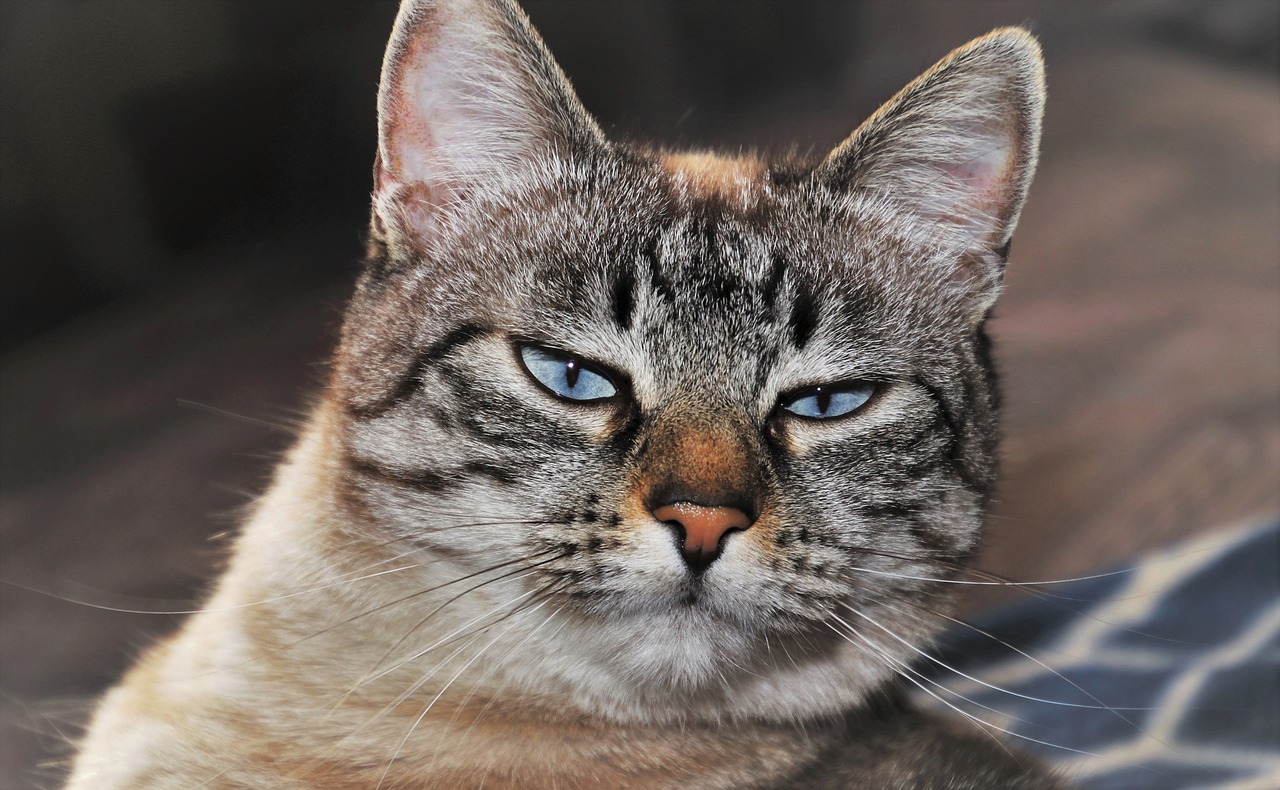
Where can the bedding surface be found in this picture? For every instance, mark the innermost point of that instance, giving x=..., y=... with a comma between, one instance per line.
x=1162, y=675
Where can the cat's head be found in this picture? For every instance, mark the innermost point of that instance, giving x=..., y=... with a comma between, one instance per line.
x=729, y=417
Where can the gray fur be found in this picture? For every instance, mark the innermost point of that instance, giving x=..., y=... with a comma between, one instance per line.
x=502, y=216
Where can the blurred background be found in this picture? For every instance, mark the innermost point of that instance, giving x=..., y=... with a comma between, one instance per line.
x=184, y=187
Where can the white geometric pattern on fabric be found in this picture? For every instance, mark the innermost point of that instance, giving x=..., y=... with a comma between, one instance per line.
x=1184, y=649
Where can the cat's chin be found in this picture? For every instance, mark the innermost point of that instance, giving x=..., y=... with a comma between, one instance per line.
x=682, y=666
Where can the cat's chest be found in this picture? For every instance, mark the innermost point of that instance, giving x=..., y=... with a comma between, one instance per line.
x=490, y=744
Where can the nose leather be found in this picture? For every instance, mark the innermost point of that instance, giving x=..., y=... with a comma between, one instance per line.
x=703, y=527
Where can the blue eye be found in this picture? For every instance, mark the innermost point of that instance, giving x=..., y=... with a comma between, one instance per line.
x=565, y=375
x=827, y=401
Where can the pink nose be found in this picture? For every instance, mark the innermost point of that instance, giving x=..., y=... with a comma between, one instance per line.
x=702, y=528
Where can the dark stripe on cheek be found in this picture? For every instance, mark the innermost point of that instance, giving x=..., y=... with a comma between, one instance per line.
x=411, y=380
x=1003, y=252
x=430, y=481
x=459, y=336
x=888, y=510
x=484, y=414
x=498, y=474
x=944, y=411
x=982, y=350
x=935, y=542
x=956, y=430
x=424, y=480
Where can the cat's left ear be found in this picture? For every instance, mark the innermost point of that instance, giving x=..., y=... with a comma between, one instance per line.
x=958, y=146
x=470, y=99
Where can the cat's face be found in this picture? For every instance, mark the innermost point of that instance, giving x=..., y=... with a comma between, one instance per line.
x=729, y=418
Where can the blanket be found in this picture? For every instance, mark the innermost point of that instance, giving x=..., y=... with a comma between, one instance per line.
x=1159, y=676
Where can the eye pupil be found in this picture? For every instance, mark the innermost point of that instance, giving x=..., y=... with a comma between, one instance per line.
x=571, y=371
x=824, y=399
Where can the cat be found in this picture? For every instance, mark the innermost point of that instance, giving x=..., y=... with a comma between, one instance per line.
x=634, y=468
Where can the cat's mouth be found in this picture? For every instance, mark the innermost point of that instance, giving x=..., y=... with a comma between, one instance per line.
x=692, y=592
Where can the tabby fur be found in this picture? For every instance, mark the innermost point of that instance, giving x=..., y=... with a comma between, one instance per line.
x=456, y=580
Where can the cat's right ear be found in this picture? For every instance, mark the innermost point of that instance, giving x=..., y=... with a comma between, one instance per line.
x=470, y=98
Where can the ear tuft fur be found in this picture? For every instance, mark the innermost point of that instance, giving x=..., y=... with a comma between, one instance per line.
x=959, y=144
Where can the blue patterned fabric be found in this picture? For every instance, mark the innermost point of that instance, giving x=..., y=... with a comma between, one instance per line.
x=1184, y=649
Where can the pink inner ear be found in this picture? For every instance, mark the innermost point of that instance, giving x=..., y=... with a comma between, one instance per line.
x=976, y=190
x=986, y=174
x=451, y=96
x=416, y=130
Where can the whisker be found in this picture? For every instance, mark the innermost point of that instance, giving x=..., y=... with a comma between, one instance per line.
x=906, y=666
x=210, y=780
x=948, y=667
x=275, y=426
x=185, y=609
x=546, y=590
x=993, y=579
x=435, y=699
x=971, y=717
x=1030, y=587
x=439, y=608
x=498, y=693
x=1101, y=706
x=489, y=671
x=906, y=672
x=422, y=681
x=1000, y=583
x=231, y=608
x=998, y=580
x=290, y=645
x=540, y=596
